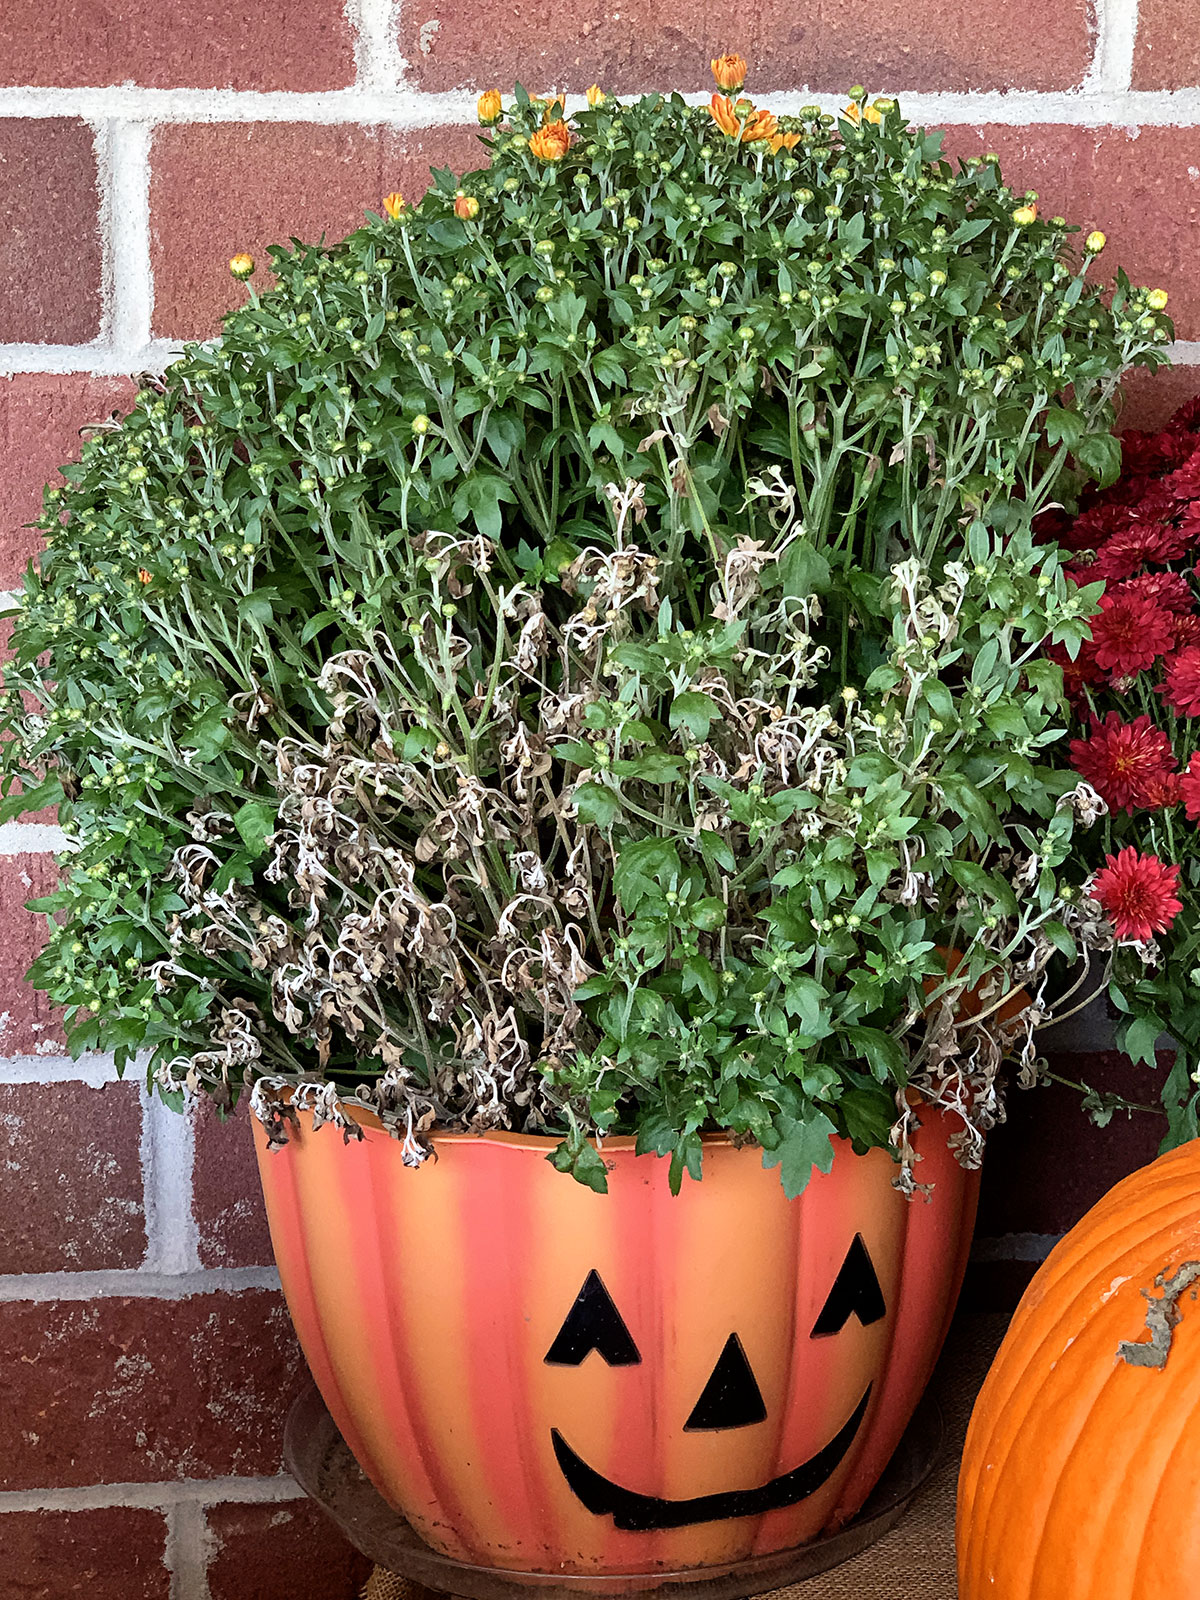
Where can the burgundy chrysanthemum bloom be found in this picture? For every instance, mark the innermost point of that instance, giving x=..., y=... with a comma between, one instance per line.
x=1091, y=528
x=1127, y=763
x=1130, y=634
x=1124, y=552
x=1143, y=454
x=1189, y=789
x=1181, y=687
x=1170, y=590
x=1187, y=631
x=1137, y=894
x=1184, y=482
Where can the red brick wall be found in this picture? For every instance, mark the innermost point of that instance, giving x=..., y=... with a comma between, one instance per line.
x=145, y=1358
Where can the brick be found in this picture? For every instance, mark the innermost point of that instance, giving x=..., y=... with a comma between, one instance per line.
x=1152, y=398
x=1142, y=186
x=1027, y=1186
x=70, y=1177
x=220, y=45
x=114, y=1554
x=41, y=418
x=49, y=232
x=1166, y=54
x=222, y=187
x=227, y=1198
x=279, y=1553
x=29, y=1024
x=891, y=45
x=144, y=1390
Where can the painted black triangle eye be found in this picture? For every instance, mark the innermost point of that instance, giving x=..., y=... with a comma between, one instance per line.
x=855, y=1293
x=593, y=1323
x=731, y=1398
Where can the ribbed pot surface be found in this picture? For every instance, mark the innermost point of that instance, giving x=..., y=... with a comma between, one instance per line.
x=546, y=1379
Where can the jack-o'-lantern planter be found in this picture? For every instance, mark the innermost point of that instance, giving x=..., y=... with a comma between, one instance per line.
x=548, y=1379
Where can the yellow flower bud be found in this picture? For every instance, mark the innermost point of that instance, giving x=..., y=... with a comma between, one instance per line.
x=596, y=96
x=1157, y=299
x=241, y=265
x=1023, y=216
x=393, y=204
x=1094, y=242
x=466, y=206
x=489, y=105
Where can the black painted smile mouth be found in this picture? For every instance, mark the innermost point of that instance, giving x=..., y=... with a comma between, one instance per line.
x=645, y=1513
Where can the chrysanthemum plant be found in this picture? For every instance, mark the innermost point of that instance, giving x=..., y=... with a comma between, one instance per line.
x=1135, y=688
x=570, y=656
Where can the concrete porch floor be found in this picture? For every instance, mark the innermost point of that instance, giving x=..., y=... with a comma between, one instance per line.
x=915, y=1561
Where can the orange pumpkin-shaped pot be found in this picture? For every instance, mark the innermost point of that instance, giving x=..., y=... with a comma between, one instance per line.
x=1081, y=1476
x=547, y=1379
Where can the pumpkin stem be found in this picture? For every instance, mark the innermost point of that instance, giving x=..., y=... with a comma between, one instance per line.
x=1161, y=1318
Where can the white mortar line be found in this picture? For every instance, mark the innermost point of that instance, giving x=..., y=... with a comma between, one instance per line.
x=124, y=150
x=1116, y=31
x=31, y=838
x=101, y=358
x=376, y=55
x=137, y=1284
x=94, y=1071
x=367, y=103
x=155, y=1496
x=1015, y=1247
x=189, y=1545
x=403, y=108
x=168, y=1169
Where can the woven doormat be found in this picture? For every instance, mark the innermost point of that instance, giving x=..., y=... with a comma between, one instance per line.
x=916, y=1560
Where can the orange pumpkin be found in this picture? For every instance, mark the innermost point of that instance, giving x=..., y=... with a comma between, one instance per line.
x=547, y=1379
x=1081, y=1476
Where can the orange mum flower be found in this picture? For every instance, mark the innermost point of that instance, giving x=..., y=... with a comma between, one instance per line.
x=730, y=72
x=489, y=105
x=856, y=113
x=761, y=125
x=552, y=142
x=144, y=576
x=393, y=204
x=466, y=206
x=742, y=121
x=596, y=96
x=721, y=110
x=783, y=141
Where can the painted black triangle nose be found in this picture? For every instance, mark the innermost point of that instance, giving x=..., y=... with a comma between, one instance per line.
x=731, y=1397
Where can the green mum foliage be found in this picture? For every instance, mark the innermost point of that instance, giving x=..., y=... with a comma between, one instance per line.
x=566, y=657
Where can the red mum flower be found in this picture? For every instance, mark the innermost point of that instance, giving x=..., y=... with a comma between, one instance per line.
x=1127, y=763
x=1091, y=527
x=1189, y=789
x=1137, y=894
x=1184, y=482
x=1170, y=590
x=1125, y=551
x=1144, y=453
x=1187, y=631
x=1181, y=689
x=1130, y=634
